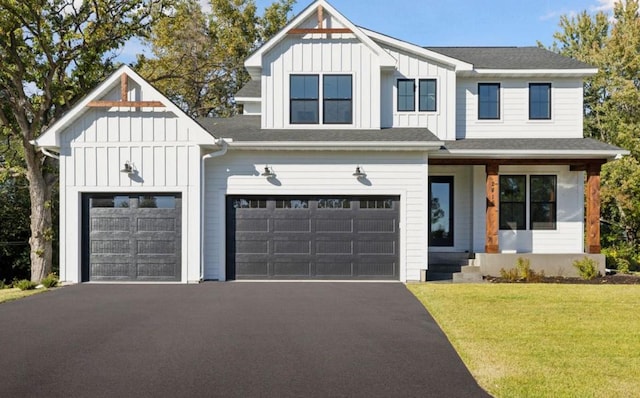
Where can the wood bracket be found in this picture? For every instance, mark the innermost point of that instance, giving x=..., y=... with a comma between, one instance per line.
x=124, y=99
x=320, y=29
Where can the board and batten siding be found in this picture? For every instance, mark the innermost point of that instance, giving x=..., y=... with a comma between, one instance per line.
x=319, y=54
x=320, y=173
x=161, y=149
x=566, y=109
x=410, y=66
x=566, y=238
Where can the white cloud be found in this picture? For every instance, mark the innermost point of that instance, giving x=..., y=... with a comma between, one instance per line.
x=206, y=5
x=604, y=5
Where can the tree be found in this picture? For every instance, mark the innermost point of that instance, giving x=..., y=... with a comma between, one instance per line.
x=612, y=106
x=198, y=57
x=52, y=53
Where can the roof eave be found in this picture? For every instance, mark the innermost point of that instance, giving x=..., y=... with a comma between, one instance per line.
x=529, y=154
x=337, y=145
x=528, y=72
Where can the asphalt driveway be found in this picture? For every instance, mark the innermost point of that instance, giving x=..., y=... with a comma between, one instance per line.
x=227, y=340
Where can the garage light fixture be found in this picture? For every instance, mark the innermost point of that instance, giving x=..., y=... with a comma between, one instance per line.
x=359, y=173
x=128, y=168
x=268, y=172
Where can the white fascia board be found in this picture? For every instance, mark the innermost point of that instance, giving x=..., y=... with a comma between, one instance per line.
x=529, y=72
x=248, y=99
x=529, y=154
x=337, y=145
x=254, y=62
x=417, y=50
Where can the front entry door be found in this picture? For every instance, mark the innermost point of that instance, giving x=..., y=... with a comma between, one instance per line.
x=441, y=211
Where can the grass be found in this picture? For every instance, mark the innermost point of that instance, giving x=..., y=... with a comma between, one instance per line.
x=543, y=340
x=15, y=293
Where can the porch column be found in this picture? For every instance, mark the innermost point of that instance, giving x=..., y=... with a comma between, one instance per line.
x=491, y=236
x=593, y=208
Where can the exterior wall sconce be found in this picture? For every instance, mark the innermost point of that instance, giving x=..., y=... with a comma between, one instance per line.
x=359, y=173
x=128, y=168
x=268, y=172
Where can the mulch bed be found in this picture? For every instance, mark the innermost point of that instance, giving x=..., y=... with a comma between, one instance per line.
x=617, y=279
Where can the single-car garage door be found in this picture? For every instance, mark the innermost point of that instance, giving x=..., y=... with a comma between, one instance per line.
x=131, y=237
x=312, y=237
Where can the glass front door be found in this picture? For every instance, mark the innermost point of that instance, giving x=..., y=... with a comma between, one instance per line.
x=441, y=211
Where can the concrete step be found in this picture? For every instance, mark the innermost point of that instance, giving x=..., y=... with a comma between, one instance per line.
x=450, y=268
x=470, y=269
x=467, y=277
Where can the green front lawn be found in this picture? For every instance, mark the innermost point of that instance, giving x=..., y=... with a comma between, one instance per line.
x=15, y=293
x=542, y=340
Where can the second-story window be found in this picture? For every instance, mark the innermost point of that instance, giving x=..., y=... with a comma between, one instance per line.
x=488, y=100
x=337, y=99
x=406, y=95
x=427, y=101
x=539, y=101
x=304, y=107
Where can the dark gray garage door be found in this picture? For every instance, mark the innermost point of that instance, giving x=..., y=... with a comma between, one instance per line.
x=131, y=237
x=312, y=237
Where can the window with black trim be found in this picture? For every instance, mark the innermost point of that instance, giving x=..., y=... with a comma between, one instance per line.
x=331, y=203
x=427, y=95
x=337, y=101
x=304, y=99
x=292, y=204
x=488, y=100
x=406, y=95
x=539, y=101
x=513, y=202
x=543, y=199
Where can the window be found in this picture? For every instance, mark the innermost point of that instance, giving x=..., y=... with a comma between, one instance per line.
x=543, y=202
x=427, y=99
x=376, y=204
x=249, y=204
x=406, y=95
x=292, y=204
x=334, y=204
x=304, y=99
x=488, y=101
x=539, y=101
x=512, y=202
x=337, y=99
x=115, y=201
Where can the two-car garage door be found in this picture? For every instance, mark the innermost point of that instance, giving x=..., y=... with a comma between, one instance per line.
x=312, y=237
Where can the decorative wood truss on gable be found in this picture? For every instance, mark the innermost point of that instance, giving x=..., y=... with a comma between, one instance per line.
x=124, y=99
x=320, y=28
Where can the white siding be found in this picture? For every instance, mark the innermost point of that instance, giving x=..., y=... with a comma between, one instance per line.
x=566, y=110
x=93, y=151
x=442, y=121
x=315, y=173
x=566, y=238
x=462, y=206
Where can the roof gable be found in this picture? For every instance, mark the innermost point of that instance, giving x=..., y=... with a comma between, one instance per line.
x=102, y=96
x=300, y=25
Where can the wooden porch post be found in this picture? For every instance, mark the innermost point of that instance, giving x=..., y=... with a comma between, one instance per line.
x=491, y=237
x=593, y=208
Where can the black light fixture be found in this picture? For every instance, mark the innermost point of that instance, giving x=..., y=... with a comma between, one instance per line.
x=268, y=172
x=359, y=173
x=128, y=168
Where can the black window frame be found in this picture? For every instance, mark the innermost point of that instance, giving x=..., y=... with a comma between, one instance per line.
x=292, y=100
x=548, y=101
x=413, y=95
x=421, y=96
x=497, y=102
x=512, y=205
x=448, y=241
x=326, y=99
x=551, y=202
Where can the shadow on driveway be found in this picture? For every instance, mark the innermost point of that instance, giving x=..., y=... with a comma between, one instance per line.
x=228, y=340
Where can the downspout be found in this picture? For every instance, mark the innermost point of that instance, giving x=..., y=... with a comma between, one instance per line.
x=215, y=154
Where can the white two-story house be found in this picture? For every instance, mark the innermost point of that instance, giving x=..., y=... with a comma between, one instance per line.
x=357, y=156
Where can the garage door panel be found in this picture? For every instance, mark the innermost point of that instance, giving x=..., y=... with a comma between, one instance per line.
x=132, y=237
x=323, y=238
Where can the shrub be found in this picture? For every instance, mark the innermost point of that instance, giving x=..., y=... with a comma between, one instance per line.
x=3, y=285
x=587, y=268
x=623, y=257
x=50, y=280
x=522, y=272
x=25, y=284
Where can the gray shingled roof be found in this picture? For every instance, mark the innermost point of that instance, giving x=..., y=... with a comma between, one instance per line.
x=250, y=90
x=510, y=58
x=247, y=128
x=530, y=144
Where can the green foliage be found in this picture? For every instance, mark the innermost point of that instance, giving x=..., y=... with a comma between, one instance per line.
x=622, y=257
x=198, y=57
x=522, y=272
x=25, y=284
x=3, y=284
x=50, y=281
x=587, y=268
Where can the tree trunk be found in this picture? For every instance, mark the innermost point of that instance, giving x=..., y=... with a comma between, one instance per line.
x=41, y=240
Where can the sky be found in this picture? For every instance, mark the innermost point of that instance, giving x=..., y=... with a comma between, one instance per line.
x=450, y=22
